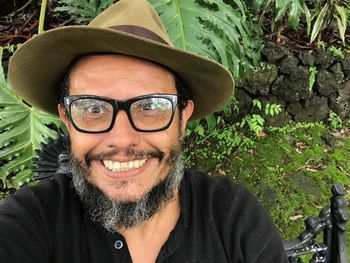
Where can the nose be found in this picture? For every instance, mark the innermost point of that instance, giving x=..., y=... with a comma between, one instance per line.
x=123, y=135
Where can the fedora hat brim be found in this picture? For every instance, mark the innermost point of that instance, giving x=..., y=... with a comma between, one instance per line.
x=37, y=66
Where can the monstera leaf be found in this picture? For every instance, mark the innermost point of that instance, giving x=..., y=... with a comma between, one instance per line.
x=82, y=11
x=208, y=27
x=212, y=28
x=22, y=129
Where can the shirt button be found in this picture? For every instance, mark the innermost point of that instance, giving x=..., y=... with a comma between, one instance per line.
x=118, y=244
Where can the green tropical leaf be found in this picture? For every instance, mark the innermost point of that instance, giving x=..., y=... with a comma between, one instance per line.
x=267, y=109
x=22, y=129
x=307, y=17
x=341, y=21
x=211, y=122
x=257, y=103
x=211, y=28
x=258, y=119
x=318, y=23
x=83, y=11
x=257, y=4
x=294, y=14
x=282, y=7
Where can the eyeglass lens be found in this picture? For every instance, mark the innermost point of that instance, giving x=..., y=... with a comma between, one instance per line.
x=93, y=114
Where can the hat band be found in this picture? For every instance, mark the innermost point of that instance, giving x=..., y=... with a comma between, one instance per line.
x=140, y=31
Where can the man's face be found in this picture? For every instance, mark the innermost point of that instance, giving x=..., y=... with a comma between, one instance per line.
x=120, y=77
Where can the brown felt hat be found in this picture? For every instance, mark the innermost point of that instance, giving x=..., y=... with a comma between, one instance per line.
x=129, y=27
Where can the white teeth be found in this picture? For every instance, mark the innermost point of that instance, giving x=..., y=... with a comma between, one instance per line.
x=136, y=164
x=123, y=166
x=115, y=166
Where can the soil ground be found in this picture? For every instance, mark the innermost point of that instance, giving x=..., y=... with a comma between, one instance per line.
x=19, y=23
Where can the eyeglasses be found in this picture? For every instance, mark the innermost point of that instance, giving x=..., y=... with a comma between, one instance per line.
x=94, y=114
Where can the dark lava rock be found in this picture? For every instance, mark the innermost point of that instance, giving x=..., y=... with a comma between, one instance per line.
x=245, y=103
x=328, y=82
x=336, y=68
x=346, y=66
x=344, y=92
x=261, y=80
x=272, y=53
x=294, y=108
x=279, y=120
x=332, y=100
x=307, y=58
x=317, y=109
x=324, y=58
x=289, y=64
x=293, y=87
x=342, y=103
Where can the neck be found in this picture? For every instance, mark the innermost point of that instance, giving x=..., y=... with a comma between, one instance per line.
x=145, y=240
x=165, y=218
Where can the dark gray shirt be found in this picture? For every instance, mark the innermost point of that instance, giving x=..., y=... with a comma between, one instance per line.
x=220, y=222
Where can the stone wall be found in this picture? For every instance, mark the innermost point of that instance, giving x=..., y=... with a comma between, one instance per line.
x=283, y=78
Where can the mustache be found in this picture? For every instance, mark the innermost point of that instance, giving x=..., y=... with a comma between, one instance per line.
x=130, y=152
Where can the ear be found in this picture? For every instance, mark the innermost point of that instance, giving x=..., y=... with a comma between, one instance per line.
x=186, y=114
x=63, y=115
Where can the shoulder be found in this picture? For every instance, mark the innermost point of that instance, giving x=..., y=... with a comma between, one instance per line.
x=34, y=214
x=47, y=196
x=215, y=187
x=52, y=186
x=238, y=218
x=223, y=199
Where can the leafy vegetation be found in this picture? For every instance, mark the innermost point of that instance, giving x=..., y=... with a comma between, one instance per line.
x=337, y=52
x=256, y=122
x=291, y=170
x=335, y=121
x=22, y=129
x=213, y=29
x=312, y=78
x=313, y=16
x=83, y=11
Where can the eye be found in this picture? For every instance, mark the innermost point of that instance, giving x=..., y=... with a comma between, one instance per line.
x=148, y=106
x=144, y=105
x=154, y=104
x=91, y=107
x=95, y=109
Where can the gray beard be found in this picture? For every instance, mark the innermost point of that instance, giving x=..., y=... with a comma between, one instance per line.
x=114, y=214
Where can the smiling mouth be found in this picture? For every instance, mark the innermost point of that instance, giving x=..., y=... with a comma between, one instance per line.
x=123, y=166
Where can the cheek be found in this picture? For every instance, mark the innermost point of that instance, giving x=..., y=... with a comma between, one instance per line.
x=164, y=140
x=81, y=144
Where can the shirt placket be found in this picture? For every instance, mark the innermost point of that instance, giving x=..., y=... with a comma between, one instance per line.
x=120, y=249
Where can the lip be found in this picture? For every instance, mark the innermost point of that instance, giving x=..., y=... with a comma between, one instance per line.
x=122, y=175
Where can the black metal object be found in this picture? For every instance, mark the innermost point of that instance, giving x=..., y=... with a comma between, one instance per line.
x=331, y=222
x=53, y=158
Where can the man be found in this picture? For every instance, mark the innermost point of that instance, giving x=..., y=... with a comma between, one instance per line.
x=126, y=96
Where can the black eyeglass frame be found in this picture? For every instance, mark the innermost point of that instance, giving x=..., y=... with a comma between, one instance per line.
x=120, y=105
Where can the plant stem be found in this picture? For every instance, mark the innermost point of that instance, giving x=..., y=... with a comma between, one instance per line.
x=42, y=16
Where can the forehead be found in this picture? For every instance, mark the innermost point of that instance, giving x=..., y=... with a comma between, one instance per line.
x=120, y=75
